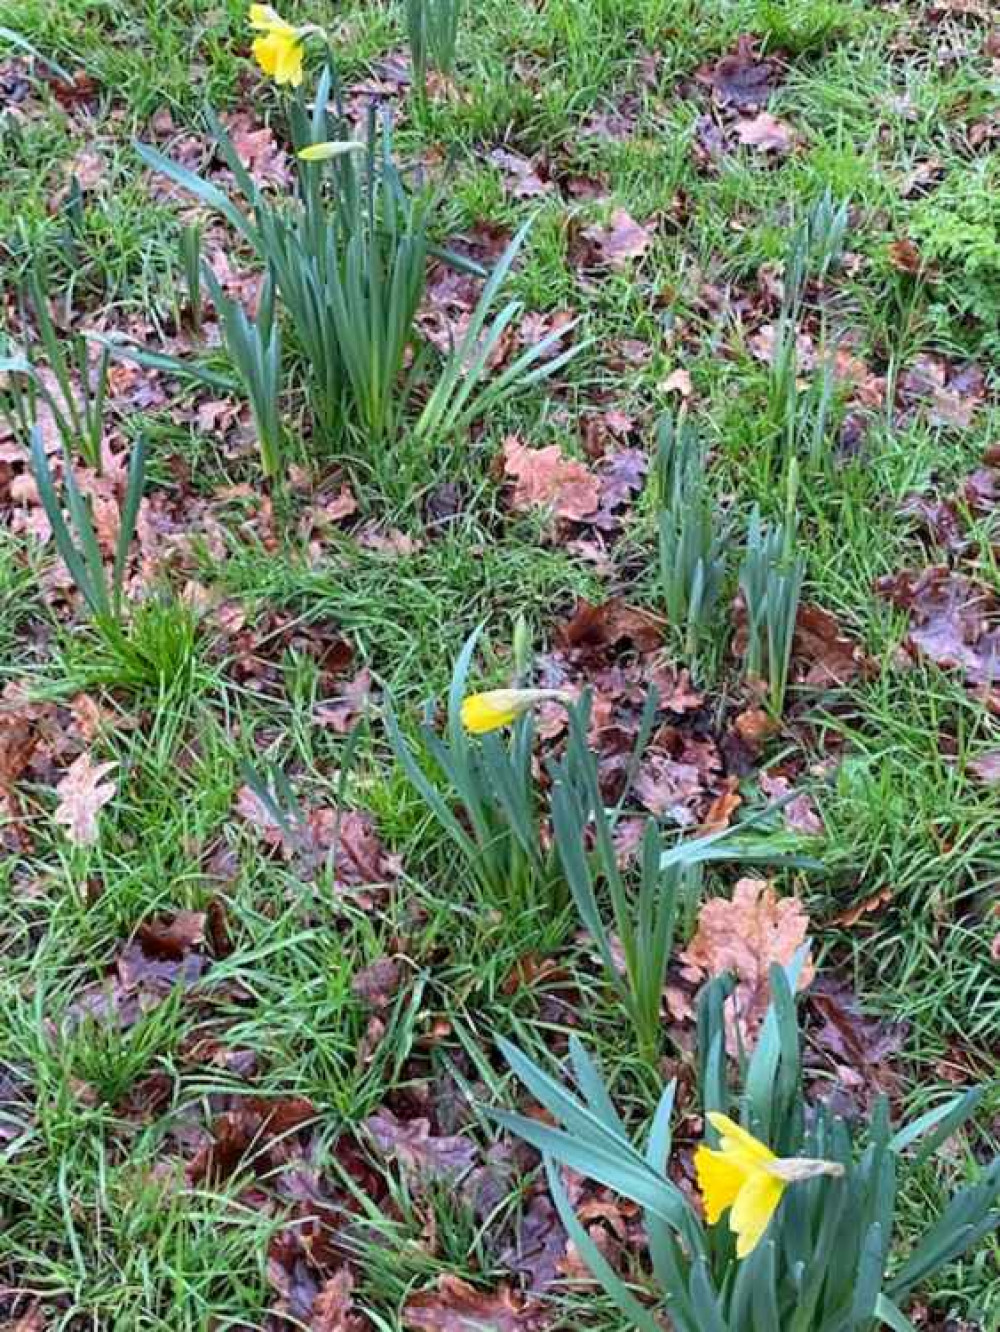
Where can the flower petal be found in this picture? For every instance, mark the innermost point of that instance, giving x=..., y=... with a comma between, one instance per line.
x=322, y=152
x=289, y=67
x=266, y=51
x=720, y=1179
x=267, y=19
x=755, y=1204
x=490, y=711
x=736, y=1139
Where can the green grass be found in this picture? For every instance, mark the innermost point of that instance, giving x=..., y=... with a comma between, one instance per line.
x=98, y=1222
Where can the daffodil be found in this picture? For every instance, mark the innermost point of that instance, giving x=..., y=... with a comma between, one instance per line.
x=279, y=51
x=747, y=1179
x=322, y=152
x=501, y=707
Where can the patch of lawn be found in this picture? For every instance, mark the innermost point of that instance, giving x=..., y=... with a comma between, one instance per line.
x=357, y=971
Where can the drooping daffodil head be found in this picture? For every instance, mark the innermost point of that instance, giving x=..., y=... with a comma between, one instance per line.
x=496, y=708
x=745, y=1178
x=279, y=49
x=328, y=149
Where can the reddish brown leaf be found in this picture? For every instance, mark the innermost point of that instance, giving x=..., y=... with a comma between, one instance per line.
x=538, y=1248
x=938, y=518
x=951, y=394
x=598, y=628
x=361, y=857
x=848, y=919
x=953, y=621
x=333, y=1307
x=621, y=241
x=823, y=654
x=755, y=727
x=18, y=740
x=546, y=479
x=378, y=984
x=245, y=1134
x=670, y=789
x=742, y=79
x=904, y=255
x=858, y=1047
x=458, y=1307
x=174, y=936
x=348, y=703
x=764, y=132
x=422, y=1155
x=721, y=810
x=82, y=794
x=802, y=816
x=523, y=178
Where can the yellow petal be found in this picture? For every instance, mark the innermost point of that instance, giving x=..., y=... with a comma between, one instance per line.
x=736, y=1139
x=720, y=1180
x=265, y=50
x=322, y=152
x=490, y=711
x=289, y=67
x=500, y=707
x=752, y=1211
x=263, y=16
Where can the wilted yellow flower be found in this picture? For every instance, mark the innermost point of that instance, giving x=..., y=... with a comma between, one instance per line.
x=279, y=50
x=500, y=707
x=747, y=1177
x=322, y=152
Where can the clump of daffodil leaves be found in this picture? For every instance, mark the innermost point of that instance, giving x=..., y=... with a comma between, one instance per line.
x=795, y=1228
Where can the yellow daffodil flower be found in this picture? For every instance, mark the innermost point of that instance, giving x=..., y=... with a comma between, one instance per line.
x=279, y=51
x=322, y=152
x=747, y=1177
x=500, y=707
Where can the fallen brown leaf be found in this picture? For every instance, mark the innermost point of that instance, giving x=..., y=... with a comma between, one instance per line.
x=764, y=132
x=954, y=621
x=82, y=794
x=422, y=1155
x=742, y=79
x=595, y=629
x=378, y=984
x=458, y=1307
x=745, y=936
x=857, y=1046
x=904, y=255
x=546, y=479
x=849, y=918
x=622, y=240
x=333, y=1306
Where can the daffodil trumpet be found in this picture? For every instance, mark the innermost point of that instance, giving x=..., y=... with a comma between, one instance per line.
x=496, y=708
x=747, y=1179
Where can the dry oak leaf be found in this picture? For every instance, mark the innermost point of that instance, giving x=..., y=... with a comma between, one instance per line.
x=742, y=78
x=746, y=936
x=622, y=240
x=545, y=479
x=333, y=1307
x=765, y=132
x=458, y=1307
x=849, y=918
x=422, y=1155
x=82, y=794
